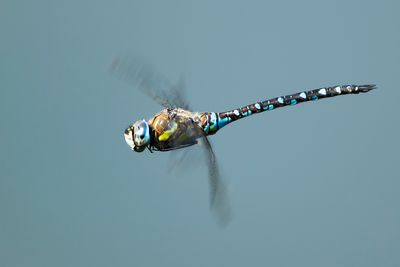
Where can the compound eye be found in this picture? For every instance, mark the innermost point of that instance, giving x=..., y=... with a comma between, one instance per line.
x=141, y=129
x=141, y=135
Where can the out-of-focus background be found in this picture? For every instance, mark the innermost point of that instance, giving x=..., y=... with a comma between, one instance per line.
x=311, y=185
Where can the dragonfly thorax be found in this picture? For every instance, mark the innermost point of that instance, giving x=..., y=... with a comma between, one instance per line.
x=137, y=136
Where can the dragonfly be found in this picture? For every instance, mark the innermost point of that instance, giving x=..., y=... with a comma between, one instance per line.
x=176, y=126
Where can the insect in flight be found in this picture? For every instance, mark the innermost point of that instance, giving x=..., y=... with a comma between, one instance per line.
x=176, y=126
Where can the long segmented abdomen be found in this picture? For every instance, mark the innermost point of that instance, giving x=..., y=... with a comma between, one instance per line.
x=213, y=121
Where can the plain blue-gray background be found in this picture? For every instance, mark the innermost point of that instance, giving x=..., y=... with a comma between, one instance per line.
x=311, y=185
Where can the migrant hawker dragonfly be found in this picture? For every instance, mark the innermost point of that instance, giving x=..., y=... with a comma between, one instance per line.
x=176, y=126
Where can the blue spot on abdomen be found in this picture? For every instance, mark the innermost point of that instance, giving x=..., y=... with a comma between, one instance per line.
x=223, y=121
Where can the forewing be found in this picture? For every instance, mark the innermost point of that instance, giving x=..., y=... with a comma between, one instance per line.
x=145, y=77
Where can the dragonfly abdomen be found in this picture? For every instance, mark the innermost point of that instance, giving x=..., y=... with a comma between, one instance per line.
x=216, y=121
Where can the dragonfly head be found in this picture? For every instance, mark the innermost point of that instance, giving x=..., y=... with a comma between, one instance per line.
x=137, y=136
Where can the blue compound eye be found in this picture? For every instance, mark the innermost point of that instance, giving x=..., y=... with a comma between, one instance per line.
x=140, y=131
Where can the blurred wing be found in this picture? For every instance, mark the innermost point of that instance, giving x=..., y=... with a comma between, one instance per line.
x=141, y=75
x=219, y=200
